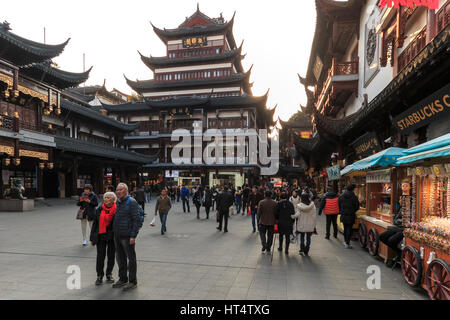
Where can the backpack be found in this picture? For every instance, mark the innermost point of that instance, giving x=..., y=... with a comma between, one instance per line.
x=140, y=212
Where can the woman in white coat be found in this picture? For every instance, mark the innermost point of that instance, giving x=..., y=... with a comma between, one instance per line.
x=306, y=224
x=295, y=200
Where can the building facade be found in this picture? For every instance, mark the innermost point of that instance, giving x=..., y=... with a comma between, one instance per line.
x=198, y=87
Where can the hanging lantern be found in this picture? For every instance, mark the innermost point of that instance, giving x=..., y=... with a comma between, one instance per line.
x=58, y=111
x=6, y=94
x=15, y=93
x=46, y=111
x=5, y=113
x=50, y=107
x=50, y=127
x=41, y=165
x=16, y=115
x=50, y=165
x=7, y=161
x=17, y=161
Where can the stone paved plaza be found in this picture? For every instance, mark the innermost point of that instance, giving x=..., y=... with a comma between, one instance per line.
x=192, y=261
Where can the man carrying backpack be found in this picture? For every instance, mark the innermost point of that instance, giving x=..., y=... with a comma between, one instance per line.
x=330, y=206
x=126, y=228
x=163, y=204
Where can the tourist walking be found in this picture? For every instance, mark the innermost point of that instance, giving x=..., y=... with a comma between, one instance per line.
x=163, y=206
x=348, y=205
x=306, y=224
x=88, y=203
x=224, y=201
x=253, y=200
x=245, y=194
x=266, y=221
x=102, y=236
x=139, y=196
x=126, y=229
x=330, y=207
x=148, y=194
x=238, y=200
x=184, y=194
x=214, y=198
x=178, y=193
x=197, y=200
x=208, y=201
x=284, y=211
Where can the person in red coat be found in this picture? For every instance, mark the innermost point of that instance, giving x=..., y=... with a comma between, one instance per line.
x=330, y=207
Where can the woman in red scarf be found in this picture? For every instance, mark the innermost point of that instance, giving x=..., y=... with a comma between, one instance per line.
x=103, y=237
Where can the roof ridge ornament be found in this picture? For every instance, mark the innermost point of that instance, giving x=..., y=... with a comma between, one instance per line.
x=5, y=26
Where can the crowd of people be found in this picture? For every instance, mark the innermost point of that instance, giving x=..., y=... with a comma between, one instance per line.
x=289, y=211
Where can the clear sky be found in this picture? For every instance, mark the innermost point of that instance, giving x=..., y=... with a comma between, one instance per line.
x=277, y=34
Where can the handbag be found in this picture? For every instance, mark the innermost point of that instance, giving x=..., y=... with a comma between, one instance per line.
x=80, y=214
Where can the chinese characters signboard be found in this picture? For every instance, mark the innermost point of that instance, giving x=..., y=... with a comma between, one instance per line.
x=379, y=176
x=334, y=173
x=192, y=42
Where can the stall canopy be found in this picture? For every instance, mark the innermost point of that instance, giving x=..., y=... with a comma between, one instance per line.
x=381, y=159
x=439, y=147
x=347, y=169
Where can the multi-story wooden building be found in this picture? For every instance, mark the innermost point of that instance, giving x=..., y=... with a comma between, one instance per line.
x=51, y=138
x=199, y=85
x=376, y=64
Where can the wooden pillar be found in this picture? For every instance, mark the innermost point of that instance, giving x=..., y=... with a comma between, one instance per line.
x=74, y=177
x=431, y=25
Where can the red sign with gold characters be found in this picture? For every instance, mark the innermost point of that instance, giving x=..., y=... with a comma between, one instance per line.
x=431, y=4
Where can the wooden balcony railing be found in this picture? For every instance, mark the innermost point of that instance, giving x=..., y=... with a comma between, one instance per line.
x=337, y=69
x=15, y=124
x=412, y=49
x=442, y=16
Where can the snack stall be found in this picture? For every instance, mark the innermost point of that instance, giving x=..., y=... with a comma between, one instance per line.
x=358, y=178
x=426, y=255
x=382, y=193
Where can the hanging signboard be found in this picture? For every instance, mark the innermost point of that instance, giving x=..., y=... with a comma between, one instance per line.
x=334, y=173
x=433, y=107
x=379, y=176
x=198, y=41
x=367, y=145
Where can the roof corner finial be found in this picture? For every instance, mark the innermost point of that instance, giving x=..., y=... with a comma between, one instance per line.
x=198, y=7
x=5, y=26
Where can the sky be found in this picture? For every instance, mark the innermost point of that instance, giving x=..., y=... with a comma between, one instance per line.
x=277, y=34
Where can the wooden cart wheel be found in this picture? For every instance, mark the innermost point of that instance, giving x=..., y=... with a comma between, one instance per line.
x=438, y=280
x=411, y=266
x=362, y=232
x=373, y=241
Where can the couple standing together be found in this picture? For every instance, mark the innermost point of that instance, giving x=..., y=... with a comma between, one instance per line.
x=115, y=226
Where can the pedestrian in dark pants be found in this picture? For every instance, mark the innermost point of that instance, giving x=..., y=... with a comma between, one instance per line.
x=348, y=205
x=330, y=207
x=184, y=194
x=126, y=229
x=245, y=194
x=102, y=236
x=224, y=201
x=283, y=213
x=253, y=200
x=214, y=198
x=307, y=217
x=266, y=221
x=238, y=200
x=208, y=201
x=139, y=196
x=163, y=205
x=178, y=194
x=197, y=201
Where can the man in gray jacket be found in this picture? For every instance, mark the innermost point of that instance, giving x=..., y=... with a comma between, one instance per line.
x=163, y=204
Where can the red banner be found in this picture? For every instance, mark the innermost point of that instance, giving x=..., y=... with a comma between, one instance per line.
x=431, y=4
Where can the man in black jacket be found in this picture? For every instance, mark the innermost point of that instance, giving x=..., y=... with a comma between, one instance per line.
x=348, y=205
x=224, y=201
x=140, y=197
x=126, y=229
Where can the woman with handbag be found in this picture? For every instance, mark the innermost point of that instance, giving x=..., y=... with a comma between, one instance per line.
x=88, y=203
x=197, y=200
x=102, y=236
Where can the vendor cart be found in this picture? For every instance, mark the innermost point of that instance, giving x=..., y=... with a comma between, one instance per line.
x=426, y=256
